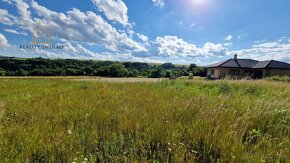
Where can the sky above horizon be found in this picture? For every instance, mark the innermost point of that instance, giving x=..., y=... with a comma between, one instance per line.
x=176, y=31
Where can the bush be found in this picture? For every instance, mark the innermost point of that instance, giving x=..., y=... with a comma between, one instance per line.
x=224, y=87
x=156, y=73
x=168, y=74
x=190, y=76
x=252, y=90
x=252, y=137
x=2, y=73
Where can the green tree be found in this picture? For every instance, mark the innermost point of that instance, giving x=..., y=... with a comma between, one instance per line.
x=168, y=66
x=2, y=73
x=156, y=73
x=192, y=67
x=168, y=74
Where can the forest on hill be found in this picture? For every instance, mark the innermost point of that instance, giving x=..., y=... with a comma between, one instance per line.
x=73, y=67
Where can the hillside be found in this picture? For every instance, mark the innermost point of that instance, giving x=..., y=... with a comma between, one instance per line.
x=73, y=67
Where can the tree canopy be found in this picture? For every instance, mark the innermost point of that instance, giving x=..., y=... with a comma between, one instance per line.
x=73, y=67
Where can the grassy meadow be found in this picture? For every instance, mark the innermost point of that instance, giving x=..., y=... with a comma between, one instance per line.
x=61, y=120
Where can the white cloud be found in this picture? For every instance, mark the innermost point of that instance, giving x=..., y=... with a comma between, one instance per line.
x=143, y=37
x=180, y=22
x=228, y=44
x=7, y=1
x=229, y=38
x=158, y=3
x=192, y=25
x=6, y=18
x=74, y=25
x=266, y=51
x=3, y=41
x=45, y=53
x=174, y=46
x=23, y=9
x=289, y=40
x=130, y=33
x=114, y=10
x=15, y=32
x=267, y=45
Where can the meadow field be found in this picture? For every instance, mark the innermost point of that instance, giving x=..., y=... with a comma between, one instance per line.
x=72, y=120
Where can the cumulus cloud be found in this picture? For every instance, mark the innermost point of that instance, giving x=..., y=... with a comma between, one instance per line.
x=15, y=32
x=74, y=25
x=158, y=3
x=114, y=10
x=143, y=37
x=229, y=38
x=174, y=46
x=6, y=18
x=3, y=41
x=267, y=45
x=266, y=51
x=77, y=51
x=23, y=11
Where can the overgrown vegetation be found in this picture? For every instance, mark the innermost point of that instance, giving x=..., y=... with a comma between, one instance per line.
x=70, y=67
x=54, y=120
x=277, y=78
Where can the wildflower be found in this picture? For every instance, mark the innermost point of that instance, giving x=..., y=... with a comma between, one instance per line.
x=169, y=150
x=69, y=131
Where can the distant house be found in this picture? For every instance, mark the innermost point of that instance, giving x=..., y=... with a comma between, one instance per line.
x=241, y=68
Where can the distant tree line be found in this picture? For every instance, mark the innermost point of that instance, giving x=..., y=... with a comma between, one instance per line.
x=73, y=67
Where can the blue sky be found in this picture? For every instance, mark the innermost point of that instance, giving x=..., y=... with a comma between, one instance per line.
x=177, y=31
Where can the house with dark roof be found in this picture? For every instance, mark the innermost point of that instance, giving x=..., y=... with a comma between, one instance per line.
x=241, y=68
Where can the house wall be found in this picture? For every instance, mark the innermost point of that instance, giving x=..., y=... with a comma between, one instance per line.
x=226, y=71
x=217, y=73
x=277, y=72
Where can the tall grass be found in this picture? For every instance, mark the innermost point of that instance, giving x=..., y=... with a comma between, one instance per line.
x=173, y=121
x=279, y=78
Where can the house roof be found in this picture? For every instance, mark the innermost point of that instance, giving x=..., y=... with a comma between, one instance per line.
x=261, y=64
x=217, y=64
x=249, y=63
x=272, y=64
x=235, y=63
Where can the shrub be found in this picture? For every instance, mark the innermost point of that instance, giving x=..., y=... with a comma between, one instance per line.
x=224, y=87
x=2, y=73
x=168, y=74
x=190, y=76
x=156, y=73
x=252, y=90
x=252, y=136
